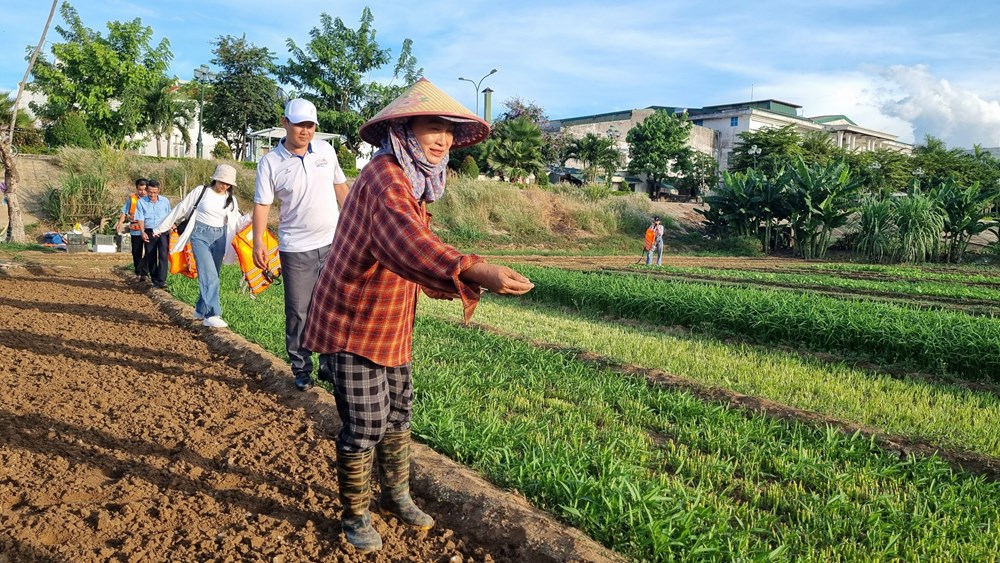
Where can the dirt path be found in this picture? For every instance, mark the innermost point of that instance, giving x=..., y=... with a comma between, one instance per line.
x=128, y=433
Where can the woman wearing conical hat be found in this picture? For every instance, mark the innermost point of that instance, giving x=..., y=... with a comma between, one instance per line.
x=364, y=302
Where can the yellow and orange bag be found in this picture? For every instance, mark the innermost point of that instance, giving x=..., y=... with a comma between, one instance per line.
x=255, y=279
x=650, y=239
x=182, y=262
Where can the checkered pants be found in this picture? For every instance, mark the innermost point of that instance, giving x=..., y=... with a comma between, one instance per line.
x=371, y=399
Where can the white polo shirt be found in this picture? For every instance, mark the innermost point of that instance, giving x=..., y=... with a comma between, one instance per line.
x=303, y=185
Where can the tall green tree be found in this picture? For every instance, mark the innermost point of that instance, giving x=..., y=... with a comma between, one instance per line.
x=243, y=96
x=102, y=78
x=934, y=163
x=818, y=148
x=334, y=70
x=747, y=204
x=702, y=175
x=658, y=145
x=556, y=148
x=779, y=148
x=516, y=109
x=881, y=172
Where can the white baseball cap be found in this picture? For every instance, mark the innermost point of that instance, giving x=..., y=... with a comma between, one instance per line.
x=298, y=110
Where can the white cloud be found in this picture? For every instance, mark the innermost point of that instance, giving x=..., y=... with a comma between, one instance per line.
x=959, y=117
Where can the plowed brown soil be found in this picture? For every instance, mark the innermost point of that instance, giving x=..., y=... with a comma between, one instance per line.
x=130, y=433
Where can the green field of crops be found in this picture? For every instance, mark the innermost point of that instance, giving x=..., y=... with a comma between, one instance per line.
x=951, y=289
x=939, y=342
x=659, y=474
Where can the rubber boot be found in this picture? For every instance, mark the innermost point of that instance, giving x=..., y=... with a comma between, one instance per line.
x=394, y=475
x=354, y=471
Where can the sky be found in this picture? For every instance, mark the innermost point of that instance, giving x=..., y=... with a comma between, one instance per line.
x=910, y=68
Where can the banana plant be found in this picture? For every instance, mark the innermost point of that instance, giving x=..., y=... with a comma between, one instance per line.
x=965, y=214
x=822, y=197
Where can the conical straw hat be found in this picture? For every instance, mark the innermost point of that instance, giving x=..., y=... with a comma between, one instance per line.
x=424, y=98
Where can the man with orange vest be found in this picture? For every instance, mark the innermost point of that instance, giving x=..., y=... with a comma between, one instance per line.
x=128, y=214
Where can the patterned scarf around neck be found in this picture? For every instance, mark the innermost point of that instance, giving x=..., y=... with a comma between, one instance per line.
x=426, y=179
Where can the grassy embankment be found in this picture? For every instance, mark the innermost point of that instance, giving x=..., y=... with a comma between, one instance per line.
x=482, y=214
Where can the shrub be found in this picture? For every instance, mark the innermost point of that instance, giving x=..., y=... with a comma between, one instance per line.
x=83, y=198
x=632, y=213
x=347, y=160
x=70, y=130
x=876, y=240
x=222, y=151
x=596, y=192
x=469, y=168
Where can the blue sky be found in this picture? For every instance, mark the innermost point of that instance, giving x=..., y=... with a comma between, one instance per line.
x=904, y=67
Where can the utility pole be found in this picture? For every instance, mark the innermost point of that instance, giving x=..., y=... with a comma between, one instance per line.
x=202, y=75
x=15, y=223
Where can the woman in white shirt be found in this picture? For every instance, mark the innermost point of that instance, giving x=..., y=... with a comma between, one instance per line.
x=213, y=212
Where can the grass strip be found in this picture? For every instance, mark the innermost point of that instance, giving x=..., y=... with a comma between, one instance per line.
x=964, y=273
x=925, y=288
x=947, y=415
x=939, y=342
x=659, y=475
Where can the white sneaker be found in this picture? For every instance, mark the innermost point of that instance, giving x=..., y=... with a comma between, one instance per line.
x=215, y=322
x=198, y=316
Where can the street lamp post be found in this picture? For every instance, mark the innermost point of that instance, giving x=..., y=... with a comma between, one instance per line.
x=477, y=85
x=753, y=151
x=201, y=75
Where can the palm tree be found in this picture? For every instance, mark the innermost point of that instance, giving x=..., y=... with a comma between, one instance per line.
x=596, y=152
x=515, y=151
x=25, y=133
x=167, y=109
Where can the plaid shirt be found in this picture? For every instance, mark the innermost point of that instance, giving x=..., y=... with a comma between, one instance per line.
x=365, y=299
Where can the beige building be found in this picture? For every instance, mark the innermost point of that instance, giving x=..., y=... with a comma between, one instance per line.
x=717, y=129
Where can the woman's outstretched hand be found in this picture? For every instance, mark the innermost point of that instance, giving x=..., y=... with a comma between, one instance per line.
x=498, y=279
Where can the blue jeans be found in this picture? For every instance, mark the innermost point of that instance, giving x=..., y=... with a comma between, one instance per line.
x=209, y=246
x=658, y=247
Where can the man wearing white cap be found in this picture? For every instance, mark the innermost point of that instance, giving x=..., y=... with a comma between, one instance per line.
x=305, y=177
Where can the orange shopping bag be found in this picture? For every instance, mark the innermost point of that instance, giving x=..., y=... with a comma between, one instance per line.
x=182, y=262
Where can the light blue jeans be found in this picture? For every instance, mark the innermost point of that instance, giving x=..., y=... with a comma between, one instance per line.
x=657, y=246
x=209, y=247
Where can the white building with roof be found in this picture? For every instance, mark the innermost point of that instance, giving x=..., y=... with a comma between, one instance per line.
x=717, y=128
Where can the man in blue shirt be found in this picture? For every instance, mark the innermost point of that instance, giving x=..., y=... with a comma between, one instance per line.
x=150, y=212
x=135, y=233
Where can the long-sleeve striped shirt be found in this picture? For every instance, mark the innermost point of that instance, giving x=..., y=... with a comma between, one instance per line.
x=365, y=299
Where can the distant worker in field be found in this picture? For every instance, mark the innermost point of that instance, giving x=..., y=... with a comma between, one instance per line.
x=150, y=212
x=305, y=176
x=654, y=242
x=363, y=306
x=135, y=233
